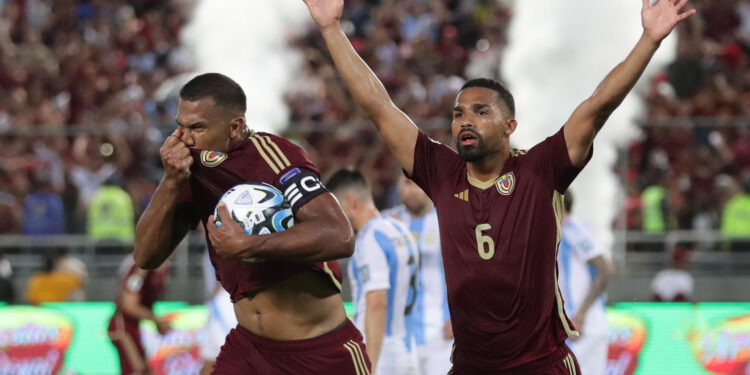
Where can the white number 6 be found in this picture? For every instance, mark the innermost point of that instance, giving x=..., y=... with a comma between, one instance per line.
x=485, y=252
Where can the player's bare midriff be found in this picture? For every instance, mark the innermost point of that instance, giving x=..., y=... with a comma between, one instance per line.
x=301, y=307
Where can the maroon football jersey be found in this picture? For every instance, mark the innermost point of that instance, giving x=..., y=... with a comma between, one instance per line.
x=265, y=158
x=499, y=243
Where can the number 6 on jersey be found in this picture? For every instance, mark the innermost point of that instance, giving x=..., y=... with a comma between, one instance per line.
x=484, y=240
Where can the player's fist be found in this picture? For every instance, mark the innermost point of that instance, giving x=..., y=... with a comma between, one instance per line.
x=176, y=158
x=227, y=237
x=325, y=13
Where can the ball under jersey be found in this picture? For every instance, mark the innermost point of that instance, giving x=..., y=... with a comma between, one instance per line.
x=262, y=157
x=499, y=240
x=431, y=309
x=385, y=258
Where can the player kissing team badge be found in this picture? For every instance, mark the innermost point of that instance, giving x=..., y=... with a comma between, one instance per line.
x=212, y=158
x=506, y=183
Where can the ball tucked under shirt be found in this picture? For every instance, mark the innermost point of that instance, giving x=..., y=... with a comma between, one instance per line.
x=264, y=157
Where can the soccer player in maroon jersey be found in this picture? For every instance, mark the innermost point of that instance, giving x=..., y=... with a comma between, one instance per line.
x=138, y=291
x=285, y=286
x=499, y=210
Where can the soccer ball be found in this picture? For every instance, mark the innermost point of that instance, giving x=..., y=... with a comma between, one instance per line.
x=258, y=207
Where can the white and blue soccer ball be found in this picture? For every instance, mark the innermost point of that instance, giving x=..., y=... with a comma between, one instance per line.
x=259, y=208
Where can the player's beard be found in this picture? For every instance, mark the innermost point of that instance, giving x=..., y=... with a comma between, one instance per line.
x=473, y=153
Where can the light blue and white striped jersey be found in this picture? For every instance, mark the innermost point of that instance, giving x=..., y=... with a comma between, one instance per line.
x=577, y=248
x=385, y=258
x=431, y=310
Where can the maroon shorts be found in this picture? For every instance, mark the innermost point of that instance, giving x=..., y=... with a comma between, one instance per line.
x=561, y=362
x=339, y=352
x=126, y=338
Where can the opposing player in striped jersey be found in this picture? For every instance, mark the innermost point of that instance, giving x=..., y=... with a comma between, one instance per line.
x=584, y=274
x=499, y=209
x=383, y=274
x=429, y=321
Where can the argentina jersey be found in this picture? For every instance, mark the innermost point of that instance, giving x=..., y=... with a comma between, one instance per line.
x=577, y=248
x=385, y=258
x=430, y=312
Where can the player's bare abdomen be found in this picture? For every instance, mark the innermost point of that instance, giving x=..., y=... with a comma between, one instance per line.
x=301, y=307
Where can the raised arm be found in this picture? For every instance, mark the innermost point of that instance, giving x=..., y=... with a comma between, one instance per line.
x=586, y=121
x=399, y=131
x=163, y=225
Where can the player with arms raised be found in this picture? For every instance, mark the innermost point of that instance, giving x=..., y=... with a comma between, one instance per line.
x=285, y=286
x=499, y=210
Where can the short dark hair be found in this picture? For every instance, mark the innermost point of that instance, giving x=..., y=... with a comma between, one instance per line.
x=221, y=89
x=506, y=98
x=568, y=201
x=348, y=178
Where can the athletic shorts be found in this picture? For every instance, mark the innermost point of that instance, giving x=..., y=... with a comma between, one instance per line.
x=561, y=362
x=339, y=352
x=591, y=351
x=435, y=354
x=396, y=359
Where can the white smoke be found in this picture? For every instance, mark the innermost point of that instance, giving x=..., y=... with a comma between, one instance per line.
x=248, y=41
x=559, y=51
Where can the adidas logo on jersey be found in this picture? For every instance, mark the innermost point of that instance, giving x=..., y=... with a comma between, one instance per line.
x=464, y=195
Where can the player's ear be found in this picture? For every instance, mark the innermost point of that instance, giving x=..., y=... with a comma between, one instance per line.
x=236, y=127
x=351, y=201
x=511, y=125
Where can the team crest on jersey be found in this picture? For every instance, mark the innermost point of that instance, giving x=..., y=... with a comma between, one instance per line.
x=212, y=158
x=506, y=183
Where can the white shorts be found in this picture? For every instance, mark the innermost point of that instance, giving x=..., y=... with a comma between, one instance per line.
x=396, y=359
x=220, y=320
x=435, y=354
x=591, y=352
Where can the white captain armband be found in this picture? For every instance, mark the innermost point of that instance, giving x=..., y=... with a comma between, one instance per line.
x=299, y=186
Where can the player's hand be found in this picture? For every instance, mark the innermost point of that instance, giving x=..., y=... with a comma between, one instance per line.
x=176, y=158
x=325, y=13
x=659, y=20
x=578, y=320
x=162, y=325
x=228, y=238
x=448, y=330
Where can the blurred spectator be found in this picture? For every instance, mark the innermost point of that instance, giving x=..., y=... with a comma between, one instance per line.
x=110, y=213
x=735, y=220
x=51, y=284
x=657, y=214
x=71, y=265
x=43, y=212
x=674, y=284
x=7, y=287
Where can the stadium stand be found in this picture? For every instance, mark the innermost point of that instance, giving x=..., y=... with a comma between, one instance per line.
x=78, y=100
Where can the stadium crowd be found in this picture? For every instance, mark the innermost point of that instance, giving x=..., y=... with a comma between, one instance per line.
x=693, y=156
x=80, y=109
x=78, y=84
